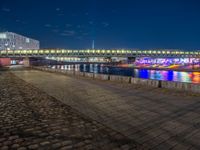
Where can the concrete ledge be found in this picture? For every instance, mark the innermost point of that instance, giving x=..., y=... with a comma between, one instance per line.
x=146, y=82
x=181, y=86
x=89, y=75
x=195, y=88
x=101, y=76
x=69, y=72
x=78, y=73
x=122, y=79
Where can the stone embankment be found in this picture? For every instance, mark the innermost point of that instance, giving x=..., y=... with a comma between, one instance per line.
x=188, y=87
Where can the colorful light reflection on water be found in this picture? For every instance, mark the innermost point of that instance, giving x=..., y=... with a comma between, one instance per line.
x=190, y=77
x=167, y=75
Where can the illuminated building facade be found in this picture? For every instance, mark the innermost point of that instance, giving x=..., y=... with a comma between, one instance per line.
x=13, y=41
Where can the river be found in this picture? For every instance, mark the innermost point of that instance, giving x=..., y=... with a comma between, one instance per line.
x=167, y=75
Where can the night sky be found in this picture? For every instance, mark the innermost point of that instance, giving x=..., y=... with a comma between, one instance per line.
x=143, y=24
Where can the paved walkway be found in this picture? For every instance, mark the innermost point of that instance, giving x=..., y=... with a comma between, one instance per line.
x=157, y=118
x=30, y=119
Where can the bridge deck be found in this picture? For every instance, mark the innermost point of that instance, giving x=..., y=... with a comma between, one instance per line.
x=99, y=53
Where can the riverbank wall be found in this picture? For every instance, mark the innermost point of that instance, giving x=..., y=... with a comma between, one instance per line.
x=181, y=86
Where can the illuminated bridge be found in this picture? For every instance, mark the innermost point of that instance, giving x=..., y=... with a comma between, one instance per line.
x=99, y=53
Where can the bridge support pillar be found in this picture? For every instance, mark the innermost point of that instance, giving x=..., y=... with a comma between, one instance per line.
x=108, y=59
x=26, y=61
x=130, y=59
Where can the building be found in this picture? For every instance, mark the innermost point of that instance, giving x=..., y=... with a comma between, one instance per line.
x=13, y=41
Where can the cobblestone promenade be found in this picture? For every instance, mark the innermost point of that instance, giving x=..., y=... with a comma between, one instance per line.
x=30, y=119
x=156, y=118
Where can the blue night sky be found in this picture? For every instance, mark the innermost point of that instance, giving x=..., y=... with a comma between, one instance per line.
x=143, y=24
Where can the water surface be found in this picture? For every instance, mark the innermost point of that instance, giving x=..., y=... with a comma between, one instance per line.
x=167, y=75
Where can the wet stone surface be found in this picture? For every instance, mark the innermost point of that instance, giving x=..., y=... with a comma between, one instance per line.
x=158, y=118
x=30, y=119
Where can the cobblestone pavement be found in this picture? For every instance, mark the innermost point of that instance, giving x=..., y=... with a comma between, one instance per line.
x=30, y=119
x=158, y=118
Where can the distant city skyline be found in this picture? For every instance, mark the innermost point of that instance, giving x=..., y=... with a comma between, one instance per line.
x=135, y=24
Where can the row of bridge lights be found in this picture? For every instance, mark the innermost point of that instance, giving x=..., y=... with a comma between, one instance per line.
x=96, y=51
